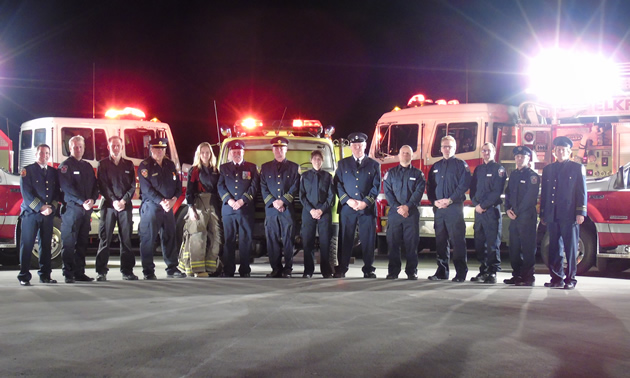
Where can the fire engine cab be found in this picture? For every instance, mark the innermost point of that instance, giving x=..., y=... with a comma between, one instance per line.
x=129, y=124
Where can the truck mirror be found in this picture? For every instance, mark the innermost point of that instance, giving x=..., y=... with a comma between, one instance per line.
x=620, y=183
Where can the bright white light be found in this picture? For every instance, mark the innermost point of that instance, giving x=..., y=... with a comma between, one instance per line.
x=563, y=78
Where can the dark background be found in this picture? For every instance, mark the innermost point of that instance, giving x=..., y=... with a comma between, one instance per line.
x=342, y=62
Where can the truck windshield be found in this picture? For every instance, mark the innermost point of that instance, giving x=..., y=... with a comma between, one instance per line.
x=137, y=142
x=393, y=137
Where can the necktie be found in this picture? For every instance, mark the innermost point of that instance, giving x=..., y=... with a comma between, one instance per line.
x=358, y=163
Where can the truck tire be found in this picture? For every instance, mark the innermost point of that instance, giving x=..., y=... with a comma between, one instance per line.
x=587, y=250
x=55, y=252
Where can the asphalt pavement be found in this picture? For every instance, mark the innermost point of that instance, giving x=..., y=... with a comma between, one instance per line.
x=350, y=327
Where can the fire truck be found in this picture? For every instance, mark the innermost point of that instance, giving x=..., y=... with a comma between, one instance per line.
x=56, y=132
x=304, y=136
x=600, y=134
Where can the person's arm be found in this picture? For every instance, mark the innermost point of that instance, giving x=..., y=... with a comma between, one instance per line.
x=416, y=196
x=29, y=195
x=304, y=181
x=463, y=182
x=388, y=188
x=493, y=196
x=131, y=177
x=531, y=195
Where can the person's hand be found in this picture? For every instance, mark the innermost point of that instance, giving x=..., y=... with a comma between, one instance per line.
x=278, y=205
x=45, y=210
x=403, y=210
x=479, y=210
x=316, y=213
x=237, y=204
x=579, y=219
x=361, y=205
x=511, y=214
x=88, y=204
x=192, y=214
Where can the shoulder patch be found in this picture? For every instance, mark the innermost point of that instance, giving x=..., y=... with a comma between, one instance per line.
x=501, y=172
x=385, y=177
x=144, y=173
x=533, y=179
x=23, y=172
x=63, y=169
x=466, y=166
x=583, y=170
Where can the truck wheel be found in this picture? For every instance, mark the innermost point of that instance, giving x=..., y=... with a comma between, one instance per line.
x=55, y=252
x=586, y=251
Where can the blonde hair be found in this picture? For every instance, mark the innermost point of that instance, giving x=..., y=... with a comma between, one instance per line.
x=213, y=159
x=449, y=138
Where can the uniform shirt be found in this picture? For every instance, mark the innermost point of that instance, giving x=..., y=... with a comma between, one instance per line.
x=404, y=186
x=158, y=183
x=238, y=182
x=202, y=180
x=563, y=193
x=448, y=178
x=487, y=185
x=77, y=181
x=279, y=180
x=116, y=182
x=362, y=183
x=521, y=194
x=38, y=188
x=316, y=190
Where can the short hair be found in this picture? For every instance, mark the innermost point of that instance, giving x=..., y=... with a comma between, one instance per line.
x=449, y=138
x=490, y=145
x=317, y=153
x=42, y=145
x=406, y=145
x=76, y=138
x=111, y=138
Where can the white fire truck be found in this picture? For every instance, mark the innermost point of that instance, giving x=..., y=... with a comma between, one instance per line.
x=601, y=136
x=56, y=132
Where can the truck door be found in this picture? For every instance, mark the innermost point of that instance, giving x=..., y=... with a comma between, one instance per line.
x=391, y=138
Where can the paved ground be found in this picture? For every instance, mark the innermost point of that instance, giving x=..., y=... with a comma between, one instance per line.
x=298, y=327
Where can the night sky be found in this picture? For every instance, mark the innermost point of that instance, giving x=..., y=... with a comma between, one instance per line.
x=342, y=62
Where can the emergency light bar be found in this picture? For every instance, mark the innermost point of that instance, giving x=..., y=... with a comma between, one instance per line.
x=251, y=126
x=126, y=112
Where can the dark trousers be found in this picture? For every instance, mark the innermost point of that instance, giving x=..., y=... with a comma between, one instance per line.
x=523, y=246
x=450, y=232
x=109, y=218
x=349, y=219
x=279, y=233
x=323, y=227
x=243, y=224
x=569, y=234
x=154, y=223
x=75, y=236
x=488, y=239
x=403, y=231
x=34, y=224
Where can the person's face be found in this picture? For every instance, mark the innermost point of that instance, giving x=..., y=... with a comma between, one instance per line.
x=158, y=153
x=358, y=149
x=404, y=156
x=77, y=148
x=43, y=154
x=487, y=153
x=317, y=162
x=204, y=155
x=562, y=153
x=115, y=148
x=448, y=149
x=279, y=152
x=521, y=160
x=236, y=155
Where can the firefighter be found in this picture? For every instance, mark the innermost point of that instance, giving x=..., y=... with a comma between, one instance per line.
x=403, y=186
x=562, y=209
x=40, y=192
x=486, y=188
x=317, y=196
x=521, y=196
x=78, y=184
x=279, y=185
x=357, y=183
x=449, y=179
x=238, y=185
x=160, y=186
x=202, y=231
x=117, y=182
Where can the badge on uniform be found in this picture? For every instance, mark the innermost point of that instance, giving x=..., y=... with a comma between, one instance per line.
x=534, y=179
x=23, y=172
x=63, y=169
x=144, y=173
x=247, y=175
x=174, y=176
x=501, y=172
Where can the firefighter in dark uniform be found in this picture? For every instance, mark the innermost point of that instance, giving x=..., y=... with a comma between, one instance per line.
x=404, y=187
x=40, y=193
x=449, y=179
x=357, y=183
x=117, y=182
x=279, y=185
x=317, y=196
x=238, y=185
x=78, y=184
x=562, y=209
x=486, y=188
x=160, y=187
x=521, y=197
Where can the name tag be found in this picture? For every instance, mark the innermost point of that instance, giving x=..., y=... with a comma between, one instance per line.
x=76, y=172
x=155, y=174
x=522, y=181
x=435, y=171
x=412, y=178
x=126, y=171
x=489, y=175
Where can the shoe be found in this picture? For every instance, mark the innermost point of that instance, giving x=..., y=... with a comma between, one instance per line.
x=286, y=275
x=101, y=277
x=524, y=283
x=176, y=274
x=25, y=283
x=569, y=286
x=306, y=275
x=436, y=278
x=69, y=280
x=202, y=275
x=274, y=274
x=47, y=280
x=369, y=275
x=327, y=275
x=83, y=278
x=554, y=284
x=412, y=277
x=458, y=280
x=130, y=277
x=490, y=279
x=245, y=275
x=391, y=277
x=481, y=277
x=339, y=275
x=511, y=281
x=150, y=277
x=216, y=273
x=227, y=275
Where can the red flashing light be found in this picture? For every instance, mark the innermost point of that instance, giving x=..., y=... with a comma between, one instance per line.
x=250, y=123
x=415, y=100
x=440, y=102
x=306, y=123
x=453, y=102
x=126, y=112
